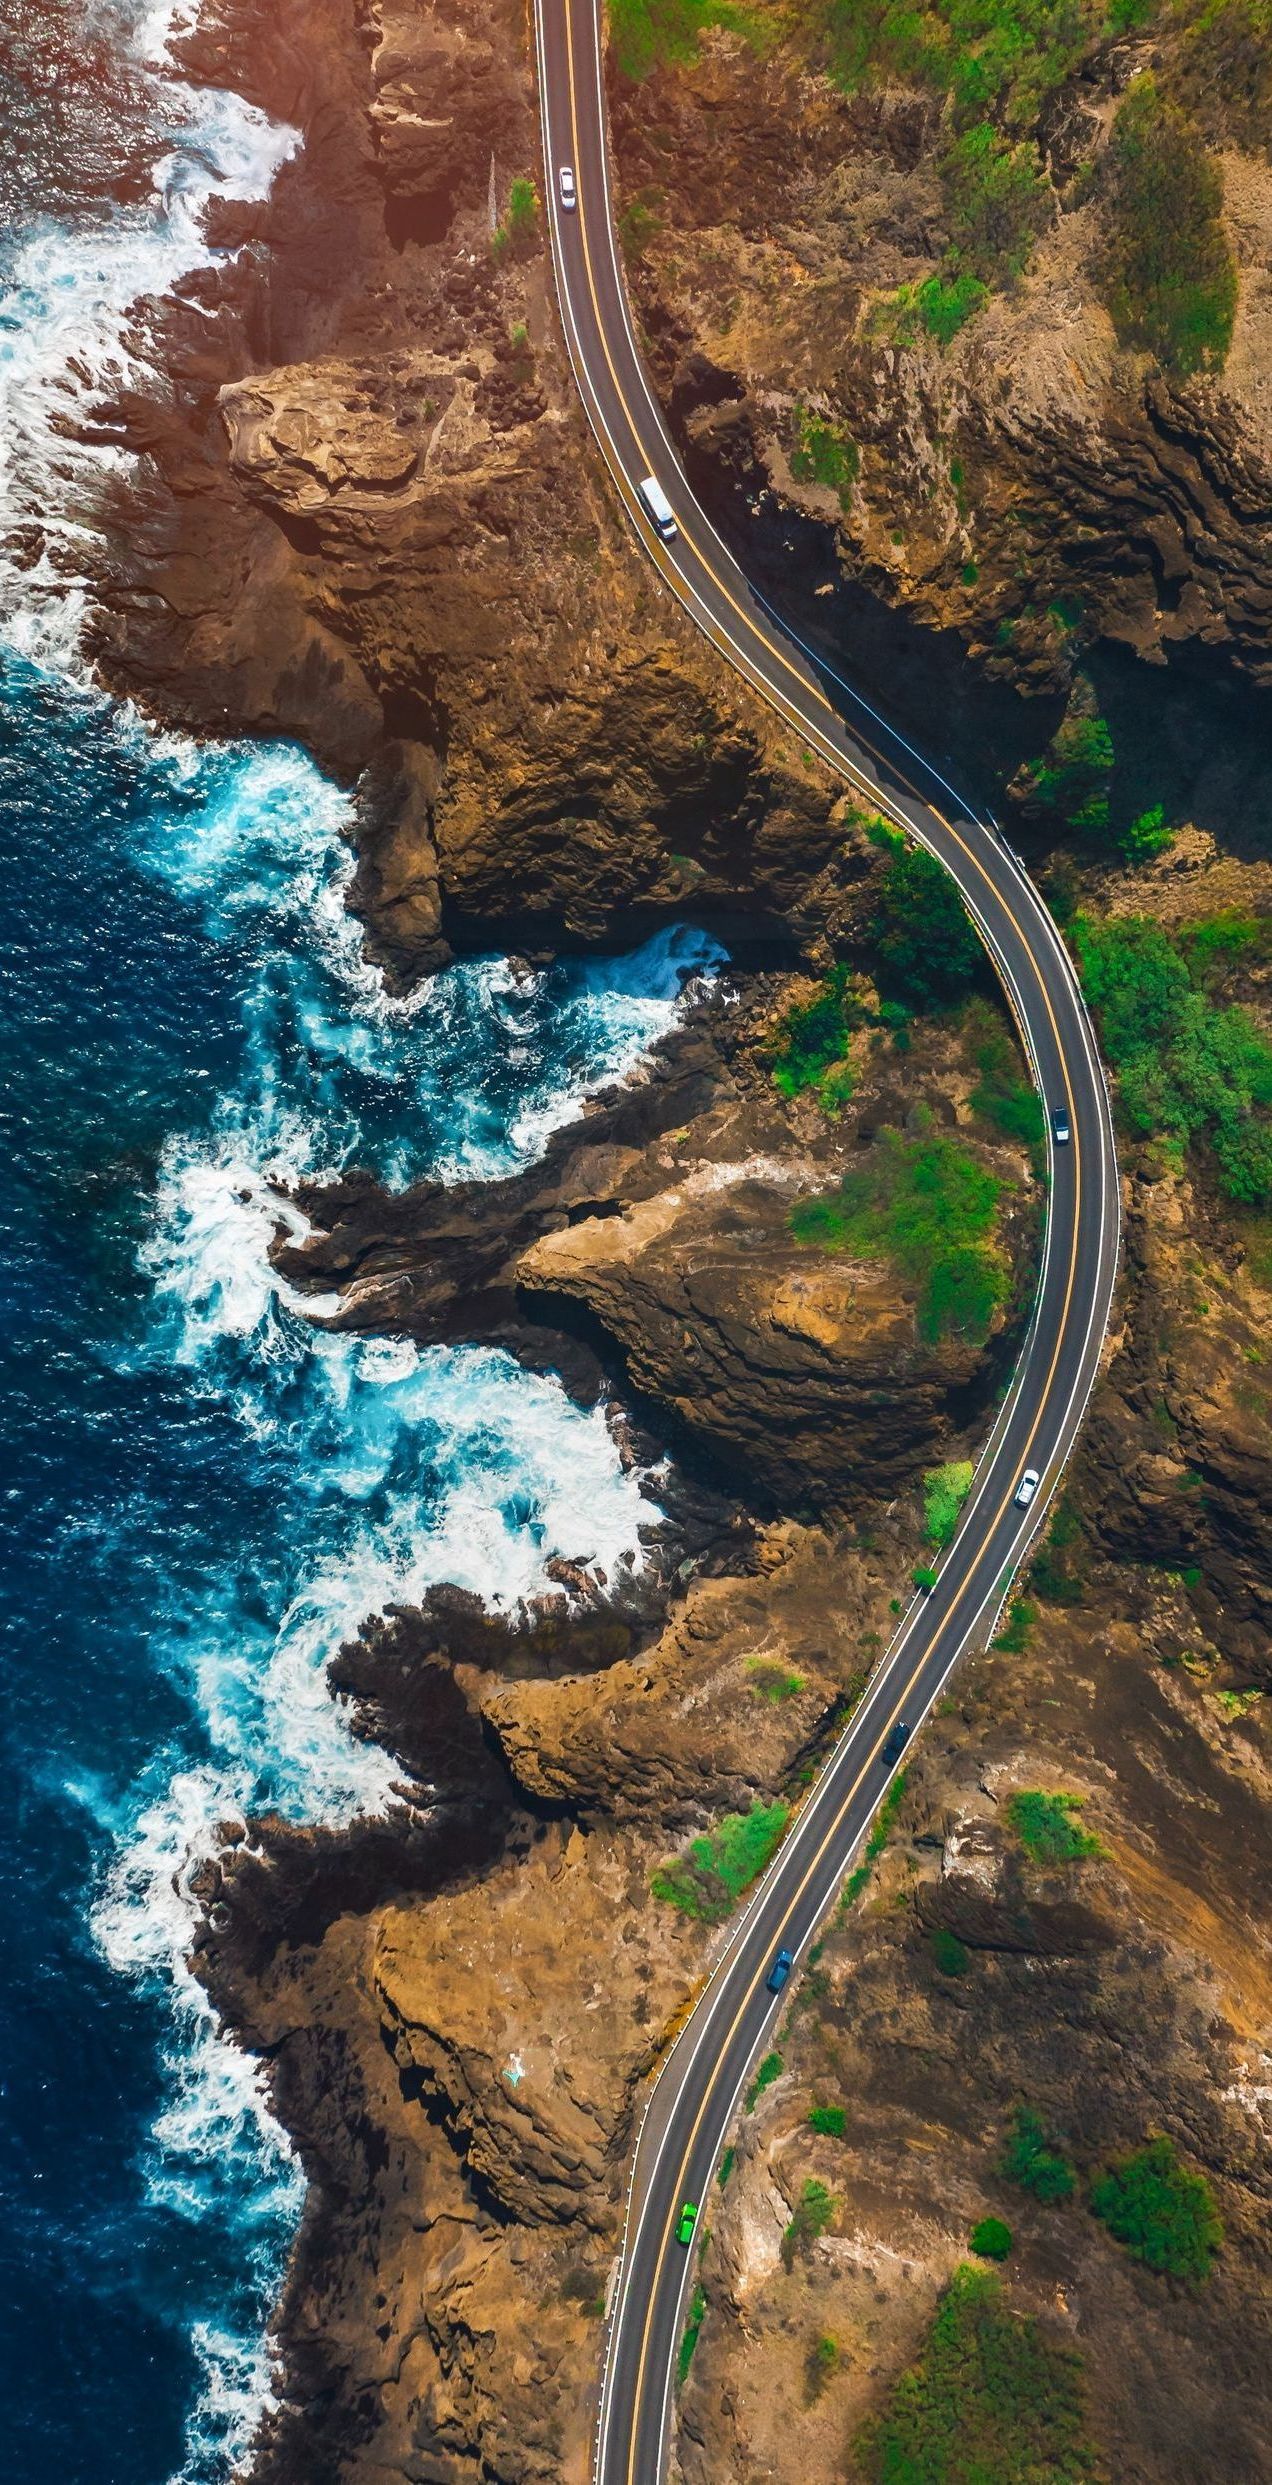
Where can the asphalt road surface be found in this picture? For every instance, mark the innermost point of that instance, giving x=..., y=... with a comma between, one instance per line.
x=696, y=2094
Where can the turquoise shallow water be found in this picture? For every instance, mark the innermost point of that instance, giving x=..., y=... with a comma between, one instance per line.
x=204, y=1493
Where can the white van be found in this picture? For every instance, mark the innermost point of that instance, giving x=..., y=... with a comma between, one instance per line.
x=657, y=507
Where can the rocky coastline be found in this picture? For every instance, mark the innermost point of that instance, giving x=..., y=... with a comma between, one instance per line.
x=365, y=514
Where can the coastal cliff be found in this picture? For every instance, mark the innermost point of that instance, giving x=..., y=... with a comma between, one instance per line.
x=366, y=513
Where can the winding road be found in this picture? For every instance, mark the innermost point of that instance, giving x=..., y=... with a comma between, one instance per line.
x=697, y=2090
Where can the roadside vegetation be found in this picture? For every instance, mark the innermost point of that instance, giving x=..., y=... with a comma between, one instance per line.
x=945, y=1489
x=1193, y=1073
x=811, y=1045
x=1160, y=2211
x=925, y=953
x=692, y=2332
x=1004, y=1096
x=875, y=1843
x=772, y=1681
x=1049, y=1829
x=929, y=1209
x=708, y=1879
x=990, y=2398
x=823, y=452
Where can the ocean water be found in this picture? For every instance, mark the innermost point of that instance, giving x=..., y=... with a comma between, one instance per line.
x=205, y=1491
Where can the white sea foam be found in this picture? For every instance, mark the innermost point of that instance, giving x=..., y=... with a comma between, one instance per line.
x=74, y=329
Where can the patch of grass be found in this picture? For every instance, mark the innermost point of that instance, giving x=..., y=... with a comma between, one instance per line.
x=769, y=2070
x=1189, y=1072
x=1146, y=836
x=639, y=220
x=1031, y=2159
x=885, y=1817
x=1002, y=56
x=1004, y=1095
x=999, y=201
x=941, y=305
x=772, y=1681
x=930, y=1210
x=727, y=2163
x=1169, y=276
x=945, y=1489
x=693, y=2326
x=991, y=2240
x=1161, y=2212
x=1048, y=1828
x=813, y=2213
x=990, y=2400
x=717, y=1867
x=927, y=954
x=950, y=1956
x=655, y=34
x=822, y=2364
x=1016, y=1633
x=812, y=1040
x=829, y=2119
x=824, y=453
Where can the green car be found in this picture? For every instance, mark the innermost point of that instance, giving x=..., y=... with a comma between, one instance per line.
x=686, y=2222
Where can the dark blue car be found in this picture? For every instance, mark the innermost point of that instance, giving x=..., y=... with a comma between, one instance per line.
x=779, y=1971
x=896, y=1743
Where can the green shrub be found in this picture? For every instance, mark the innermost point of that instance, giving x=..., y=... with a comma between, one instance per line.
x=523, y=209
x=886, y=1816
x=727, y=2163
x=812, y=1039
x=772, y=1681
x=822, y=2365
x=697, y=2314
x=1188, y=1071
x=1146, y=836
x=951, y=1956
x=814, y=2210
x=824, y=453
x=944, y=304
x=1170, y=279
x=1162, y=2213
x=989, y=2401
x=1030, y=2159
x=769, y=2070
x=986, y=55
x=717, y=1867
x=991, y=2239
x=1073, y=775
x=829, y=2119
x=1048, y=1829
x=945, y=1489
x=927, y=954
x=926, y=1207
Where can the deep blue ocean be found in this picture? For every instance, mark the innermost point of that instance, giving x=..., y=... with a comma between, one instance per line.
x=205, y=1491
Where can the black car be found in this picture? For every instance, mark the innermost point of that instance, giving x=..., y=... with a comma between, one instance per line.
x=1060, y=1130
x=896, y=1743
x=779, y=1971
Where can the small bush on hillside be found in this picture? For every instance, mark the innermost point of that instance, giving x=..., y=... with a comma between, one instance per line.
x=1048, y=1828
x=1161, y=2212
x=824, y=453
x=1030, y=2160
x=950, y=1955
x=829, y=2119
x=991, y=2239
x=1072, y=777
x=693, y=2327
x=1170, y=279
x=1004, y=1096
x=812, y=1039
x=814, y=2211
x=999, y=202
x=943, y=305
x=769, y=2070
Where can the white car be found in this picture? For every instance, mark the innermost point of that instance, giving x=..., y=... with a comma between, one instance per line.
x=1027, y=1487
x=565, y=184
x=658, y=508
